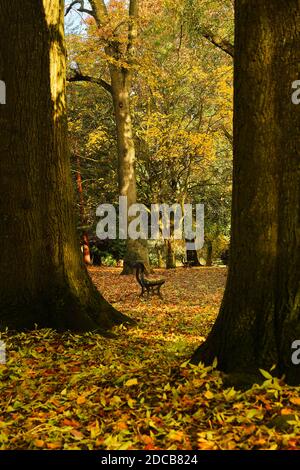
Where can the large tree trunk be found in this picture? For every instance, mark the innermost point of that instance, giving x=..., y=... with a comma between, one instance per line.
x=136, y=250
x=43, y=279
x=259, y=317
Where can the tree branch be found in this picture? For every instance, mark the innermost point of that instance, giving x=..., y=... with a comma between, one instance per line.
x=133, y=9
x=219, y=42
x=78, y=77
x=132, y=30
x=132, y=36
x=227, y=134
x=100, y=12
x=81, y=9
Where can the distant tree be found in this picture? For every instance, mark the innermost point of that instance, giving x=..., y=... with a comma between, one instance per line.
x=43, y=279
x=179, y=117
x=117, y=34
x=260, y=315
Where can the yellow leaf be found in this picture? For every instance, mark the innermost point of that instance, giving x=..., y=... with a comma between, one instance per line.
x=115, y=400
x=94, y=429
x=204, y=444
x=209, y=395
x=273, y=447
x=131, y=382
x=266, y=374
x=215, y=363
x=131, y=402
x=176, y=436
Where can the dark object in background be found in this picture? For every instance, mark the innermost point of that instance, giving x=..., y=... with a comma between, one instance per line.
x=147, y=285
x=225, y=257
x=191, y=258
x=101, y=248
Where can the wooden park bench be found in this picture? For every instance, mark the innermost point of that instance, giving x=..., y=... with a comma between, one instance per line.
x=151, y=286
x=186, y=264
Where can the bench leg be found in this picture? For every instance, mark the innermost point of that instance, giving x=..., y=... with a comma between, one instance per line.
x=142, y=293
x=159, y=293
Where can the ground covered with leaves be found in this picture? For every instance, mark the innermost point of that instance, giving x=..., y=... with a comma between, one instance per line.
x=138, y=391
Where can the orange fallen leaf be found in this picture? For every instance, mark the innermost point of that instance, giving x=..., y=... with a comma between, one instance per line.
x=81, y=400
x=295, y=400
x=54, y=445
x=286, y=411
x=39, y=443
x=77, y=434
x=120, y=426
x=71, y=422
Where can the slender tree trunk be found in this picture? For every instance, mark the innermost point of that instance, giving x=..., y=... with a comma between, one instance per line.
x=43, y=279
x=160, y=257
x=171, y=259
x=192, y=257
x=136, y=250
x=84, y=236
x=259, y=317
x=209, y=253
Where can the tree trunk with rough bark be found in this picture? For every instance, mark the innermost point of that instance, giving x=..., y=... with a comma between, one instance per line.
x=43, y=279
x=260, y=315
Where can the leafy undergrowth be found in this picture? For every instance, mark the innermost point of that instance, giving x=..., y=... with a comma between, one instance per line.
x=138, y=391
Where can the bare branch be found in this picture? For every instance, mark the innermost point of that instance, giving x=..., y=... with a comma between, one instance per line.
x=227, y=134
x=219, y=42
x=69, y=8
x=79, y=77
x=88, y=12
x=81, y=9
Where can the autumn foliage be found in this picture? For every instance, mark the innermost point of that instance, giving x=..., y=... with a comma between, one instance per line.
x=138, y=391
